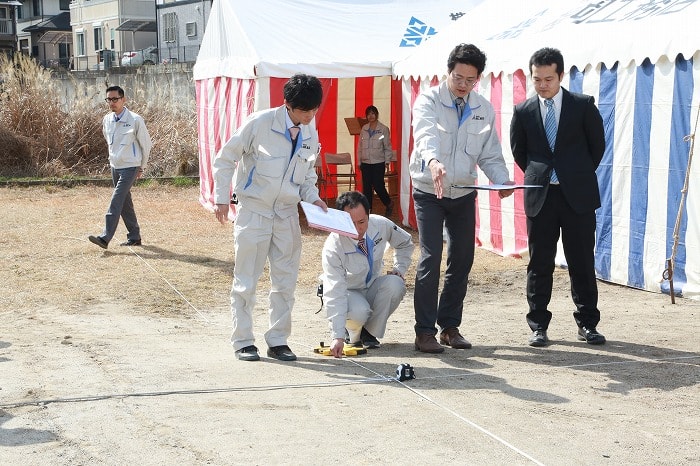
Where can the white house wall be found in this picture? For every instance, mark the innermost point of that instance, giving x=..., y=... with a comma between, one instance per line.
x=185, y=47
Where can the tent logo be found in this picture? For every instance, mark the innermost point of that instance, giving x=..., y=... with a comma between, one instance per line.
x=416, y=32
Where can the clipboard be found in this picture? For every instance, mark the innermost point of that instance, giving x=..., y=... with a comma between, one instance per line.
x=338, y=221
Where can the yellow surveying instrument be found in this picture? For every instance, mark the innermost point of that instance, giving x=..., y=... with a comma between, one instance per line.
x=348, y=350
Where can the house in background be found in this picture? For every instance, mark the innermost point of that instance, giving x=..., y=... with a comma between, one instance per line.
x=52, y=41
x=181, y=25
x=8, y=26
x=43, y=31
x=104, y=29
x=86, y=35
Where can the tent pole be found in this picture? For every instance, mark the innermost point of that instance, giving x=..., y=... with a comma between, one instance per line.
x=668, y=272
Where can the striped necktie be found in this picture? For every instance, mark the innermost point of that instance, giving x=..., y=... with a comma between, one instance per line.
x=550, y=123
x=550, y=128
x=363, y=246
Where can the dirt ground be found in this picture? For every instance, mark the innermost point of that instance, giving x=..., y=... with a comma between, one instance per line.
x=123, y=357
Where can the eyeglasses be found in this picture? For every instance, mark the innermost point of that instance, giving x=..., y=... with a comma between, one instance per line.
x=469, y=82
x=112, y=99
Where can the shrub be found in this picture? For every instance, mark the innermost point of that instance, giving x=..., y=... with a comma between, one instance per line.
x=40, y=139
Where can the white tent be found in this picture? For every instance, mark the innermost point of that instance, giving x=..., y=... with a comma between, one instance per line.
x=587, y=33
x=640, y=60
x=328, y=39
x=250, y=48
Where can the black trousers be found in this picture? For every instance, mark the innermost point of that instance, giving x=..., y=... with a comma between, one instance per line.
x=578, y=240
x=373, y=180
x=458, y=217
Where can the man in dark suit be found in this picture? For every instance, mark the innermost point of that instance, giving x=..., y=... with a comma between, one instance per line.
x=558, y=140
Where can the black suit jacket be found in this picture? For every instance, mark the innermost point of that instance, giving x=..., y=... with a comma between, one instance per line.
x=578, y=150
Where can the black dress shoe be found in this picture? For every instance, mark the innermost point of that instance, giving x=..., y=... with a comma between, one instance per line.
x=98, y=241
x=282, y=352
x=248, y=353
x=131, y=242
x=590, y=336
x=389, y=209
x=538, y=338
x=368, y=340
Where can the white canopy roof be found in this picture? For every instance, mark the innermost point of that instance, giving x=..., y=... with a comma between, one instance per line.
x=587, y=33
x=328, y=38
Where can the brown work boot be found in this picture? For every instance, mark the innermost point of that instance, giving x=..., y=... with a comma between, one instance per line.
x=451, y=337
x=426, y=343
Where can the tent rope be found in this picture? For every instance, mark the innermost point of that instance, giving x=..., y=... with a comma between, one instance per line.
x=670, y=262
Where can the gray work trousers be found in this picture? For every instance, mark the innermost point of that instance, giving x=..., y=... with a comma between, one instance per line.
x=121, y=205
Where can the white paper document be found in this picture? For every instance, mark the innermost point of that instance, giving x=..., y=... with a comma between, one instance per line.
x=334, y=220
x=496, y=187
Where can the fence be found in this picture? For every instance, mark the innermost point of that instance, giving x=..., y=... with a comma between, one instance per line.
x=182, y=54
x=173, y=82
x=108, y=59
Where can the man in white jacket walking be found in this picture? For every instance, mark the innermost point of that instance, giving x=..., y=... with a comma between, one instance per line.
x=129, y=145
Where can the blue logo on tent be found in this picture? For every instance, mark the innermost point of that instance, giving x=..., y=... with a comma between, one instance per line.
x=416, y=32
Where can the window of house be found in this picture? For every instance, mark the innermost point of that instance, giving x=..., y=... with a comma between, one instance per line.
x=64, y=5
x=112, y=33
x=63, y=51
x=80, y=45
x=97, y=34
x=36, y=8
x=24, y=46
x=169, y=31
x=191, y=29
x=5, y=26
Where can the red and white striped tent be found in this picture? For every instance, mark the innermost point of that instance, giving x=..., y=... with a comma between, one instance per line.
x=250, y=49
x=641, y=62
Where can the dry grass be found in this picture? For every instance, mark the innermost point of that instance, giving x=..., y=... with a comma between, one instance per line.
x=40, y=139
x=174, y=134
x=47, y=229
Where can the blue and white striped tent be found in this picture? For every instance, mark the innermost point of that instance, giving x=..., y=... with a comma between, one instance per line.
x=641, y=62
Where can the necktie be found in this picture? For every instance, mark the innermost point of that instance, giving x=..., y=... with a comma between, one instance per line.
x=459, y=102
x=550, y=128
x=294, y=132
x=363, y=246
